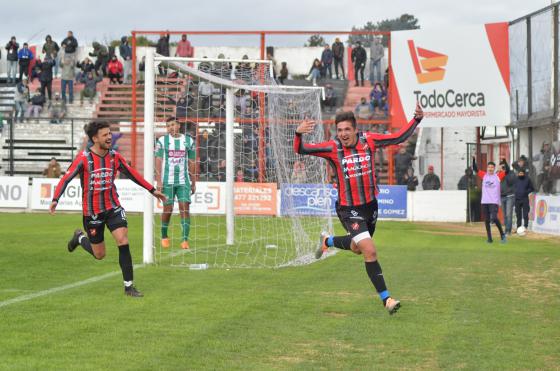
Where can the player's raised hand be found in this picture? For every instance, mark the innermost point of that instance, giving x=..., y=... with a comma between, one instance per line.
x=52, y=207
x=306, y=127
x=418, y=112
x=160, y=196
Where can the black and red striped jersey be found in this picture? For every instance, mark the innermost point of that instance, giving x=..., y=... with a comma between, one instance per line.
x=354, y=166
x=97, y=177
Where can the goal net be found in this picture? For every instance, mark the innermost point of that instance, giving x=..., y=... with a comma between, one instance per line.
x=257, y=203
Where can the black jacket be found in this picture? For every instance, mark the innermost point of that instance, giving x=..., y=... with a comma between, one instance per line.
x=338, y=50
x=46, y=70
x=507, y=185
x=359, y=55
x=38, y=100
x=70, y=44
x=12, y=49
x=523, y=186
x=162, y=46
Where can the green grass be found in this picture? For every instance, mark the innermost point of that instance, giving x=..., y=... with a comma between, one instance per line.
x=466, y=305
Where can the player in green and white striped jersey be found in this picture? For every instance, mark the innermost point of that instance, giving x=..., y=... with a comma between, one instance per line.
x=175, y=172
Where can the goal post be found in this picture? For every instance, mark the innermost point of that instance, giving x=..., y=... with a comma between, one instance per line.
x=216, y=93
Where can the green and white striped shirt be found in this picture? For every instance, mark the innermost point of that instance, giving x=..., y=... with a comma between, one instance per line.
x=175, y=153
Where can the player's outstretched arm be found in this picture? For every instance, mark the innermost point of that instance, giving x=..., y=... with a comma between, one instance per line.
x=74, y=169
x=319, y=149
x=382, y=140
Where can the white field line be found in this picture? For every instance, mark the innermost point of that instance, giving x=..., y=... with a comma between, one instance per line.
x=38, y=294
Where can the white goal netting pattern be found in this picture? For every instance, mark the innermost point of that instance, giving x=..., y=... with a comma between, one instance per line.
x=265, y=118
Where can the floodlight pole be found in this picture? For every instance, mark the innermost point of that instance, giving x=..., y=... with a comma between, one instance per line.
x=149, y=88
x=230, y=167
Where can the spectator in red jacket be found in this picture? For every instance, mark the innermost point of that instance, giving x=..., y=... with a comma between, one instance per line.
x=184, y=48
x=115, y=70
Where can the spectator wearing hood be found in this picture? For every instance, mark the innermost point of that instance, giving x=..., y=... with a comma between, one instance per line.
x=184, y=48
x=115, y=71
x=12, y=48
x=25, y=56
x=330, y=98
x=338, y=57
x=46, y=76
x=162, y=48
x=51, y=48
x=68, y=67
x=431, y=181
x=70, y=45
x=126, y=54
x=102, y=54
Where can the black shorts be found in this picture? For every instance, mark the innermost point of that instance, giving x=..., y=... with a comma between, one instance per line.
x=358, y=220
x=94, y=225
x=491, y=211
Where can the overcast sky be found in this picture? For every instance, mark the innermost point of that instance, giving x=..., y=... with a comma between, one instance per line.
x=106, y=20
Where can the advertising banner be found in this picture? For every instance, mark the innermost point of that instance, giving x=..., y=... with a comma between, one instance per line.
x=546, y=215
x=13, y=191
x=459, y=75
x=255, y=198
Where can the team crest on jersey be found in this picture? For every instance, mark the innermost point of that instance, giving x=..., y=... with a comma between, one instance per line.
x=355, y=226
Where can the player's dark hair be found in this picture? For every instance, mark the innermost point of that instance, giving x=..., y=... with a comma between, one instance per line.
x=491, y=163
x=93, y=128
x=345, y=116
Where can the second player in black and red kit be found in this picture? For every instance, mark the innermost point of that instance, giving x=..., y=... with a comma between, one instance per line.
x=351, y=156
x=98, y=167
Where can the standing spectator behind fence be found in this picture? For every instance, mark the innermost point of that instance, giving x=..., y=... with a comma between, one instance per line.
x=102, y=54
x=431, y=181
x=410, y=179
x=90, y=87
x=126, y=54
x=378, y=99
x=338, y=57
x=115, y=71
x=70, y=45
x=205, y=90
x=184, y=48
x=403, y=161
x=544, y=176
x=326, y=61
x=25, y=56
x=507, y=194
x=51, y=48
x=162, y=48
x=330, y=98
x=377, y=52
x=141, y=70
x=362, y=109
x=359, y=59
x=68, y=68
x=53, y=169
x=21, y=98
x=315, y=71
x=46, y=76
x=12, y=48
x=36, y=107
x=283, y=73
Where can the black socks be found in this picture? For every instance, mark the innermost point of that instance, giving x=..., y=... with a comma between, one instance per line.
x=343, y=242
x=83, y=240
x=125, y=261
x=375, y=274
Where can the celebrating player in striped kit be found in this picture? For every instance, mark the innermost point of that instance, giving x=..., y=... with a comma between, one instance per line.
x=98, y=166
x=175, y=171
x=351, y=155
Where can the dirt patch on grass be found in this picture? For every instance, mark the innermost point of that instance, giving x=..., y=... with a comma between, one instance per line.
x=472, y=229
x=336, y=314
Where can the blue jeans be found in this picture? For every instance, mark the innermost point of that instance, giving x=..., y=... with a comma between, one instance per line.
x=507, y=209
x=20, y=109
x=12, y=71
x=70, y=85
x=373, y=68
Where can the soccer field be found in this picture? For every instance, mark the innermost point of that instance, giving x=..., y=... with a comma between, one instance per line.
x=466, y=304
